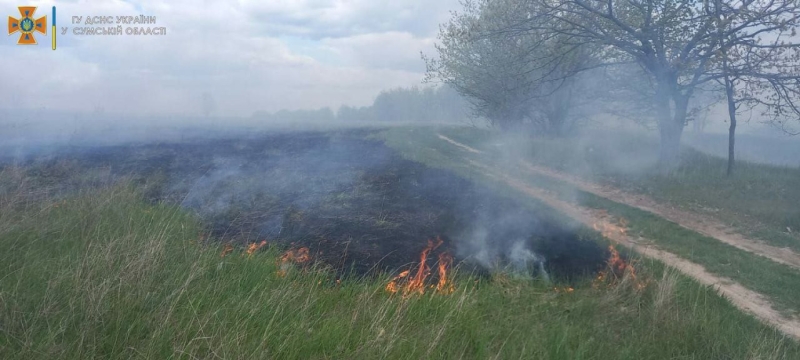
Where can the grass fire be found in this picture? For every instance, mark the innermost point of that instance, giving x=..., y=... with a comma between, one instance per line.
x=307, y=244
x=414, y=280
x=375, y=179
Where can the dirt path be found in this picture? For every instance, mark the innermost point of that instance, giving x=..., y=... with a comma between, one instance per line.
x=743, y=298
x=690, y=220
x=696, y=222
x=456, y=143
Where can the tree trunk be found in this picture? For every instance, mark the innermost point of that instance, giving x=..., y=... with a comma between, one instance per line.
x=670, y=145
x=732, y=128
x=728, y=91
x=671, y=123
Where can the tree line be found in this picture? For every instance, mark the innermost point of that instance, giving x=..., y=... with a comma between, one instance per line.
x=415, y=104
x=545, y=65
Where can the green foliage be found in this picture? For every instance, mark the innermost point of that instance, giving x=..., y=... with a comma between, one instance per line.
x=513, y=76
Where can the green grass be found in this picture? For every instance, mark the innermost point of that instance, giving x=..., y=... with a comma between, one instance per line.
x=778, y=282
x=759, y=200
x=105, y=274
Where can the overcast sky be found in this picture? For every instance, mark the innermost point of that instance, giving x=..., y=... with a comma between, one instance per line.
x=249, y=55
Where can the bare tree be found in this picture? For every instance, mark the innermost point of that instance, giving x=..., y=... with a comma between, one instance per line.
x=672, y=41
x=757, y=61
x=502, y=54
x=510, y=79
x=680, y=45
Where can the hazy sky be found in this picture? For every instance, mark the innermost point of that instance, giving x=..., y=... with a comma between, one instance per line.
x=249, y=55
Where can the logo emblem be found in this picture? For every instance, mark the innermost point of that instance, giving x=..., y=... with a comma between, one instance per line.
x=26, y=25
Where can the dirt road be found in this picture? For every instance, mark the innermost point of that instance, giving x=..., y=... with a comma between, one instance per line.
x=743, y=298
x=690, y=220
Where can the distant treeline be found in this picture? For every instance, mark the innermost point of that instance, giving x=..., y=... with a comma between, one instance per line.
x=427, y=104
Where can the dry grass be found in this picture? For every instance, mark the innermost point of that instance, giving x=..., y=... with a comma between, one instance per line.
x=106, y=275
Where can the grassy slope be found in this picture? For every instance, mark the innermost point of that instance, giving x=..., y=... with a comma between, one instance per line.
x=105, y=274
x=778, y=282
x=760, y=200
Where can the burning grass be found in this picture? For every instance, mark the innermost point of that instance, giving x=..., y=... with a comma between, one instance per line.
x=777, y=282
x=107, y=275
x=617, y=269
x=291, y=257
x=414, y=280
x=351, y=202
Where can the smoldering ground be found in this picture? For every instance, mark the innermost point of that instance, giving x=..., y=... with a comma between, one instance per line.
x=356, y=204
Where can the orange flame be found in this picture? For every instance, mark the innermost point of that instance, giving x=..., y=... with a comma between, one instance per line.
x=226, y=250
x=297, y=256
x=392, y=285
x=618, y=267
x=416, y=282
x=567, y=289
x=445, y=261
x=253, y=247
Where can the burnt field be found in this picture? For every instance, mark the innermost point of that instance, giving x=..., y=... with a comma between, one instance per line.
x=355, y=204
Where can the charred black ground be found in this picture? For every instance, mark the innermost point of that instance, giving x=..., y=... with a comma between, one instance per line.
x=352, y=201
